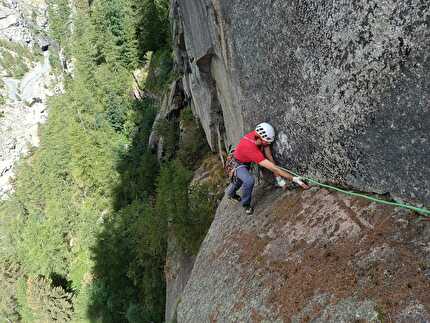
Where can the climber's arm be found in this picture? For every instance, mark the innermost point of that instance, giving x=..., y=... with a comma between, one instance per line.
x=279, y=172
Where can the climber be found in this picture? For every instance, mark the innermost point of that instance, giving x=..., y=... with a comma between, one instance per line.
x=254, y=147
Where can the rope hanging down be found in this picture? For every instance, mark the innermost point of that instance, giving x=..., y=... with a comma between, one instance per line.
x=422, y=211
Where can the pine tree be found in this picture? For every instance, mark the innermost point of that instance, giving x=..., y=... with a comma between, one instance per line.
x=59, y=12
x=152, y=29
x=10, y=272
x=114, y=26
x=48, y=303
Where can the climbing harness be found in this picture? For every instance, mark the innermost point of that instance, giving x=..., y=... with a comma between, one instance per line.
x=420, y=210
x=231, y=166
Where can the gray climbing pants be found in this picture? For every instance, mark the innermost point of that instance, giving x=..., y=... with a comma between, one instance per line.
x=245, y=180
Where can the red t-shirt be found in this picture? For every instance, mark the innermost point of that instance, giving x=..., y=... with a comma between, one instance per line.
x=247, y=151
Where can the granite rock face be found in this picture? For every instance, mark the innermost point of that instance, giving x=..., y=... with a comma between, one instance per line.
x=209, y=76
x=313, y=256
x=171, y=104
x=177, y=272
x=346, y=84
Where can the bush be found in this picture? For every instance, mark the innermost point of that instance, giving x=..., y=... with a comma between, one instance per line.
x=192, y=228
x=15, y=66
x=152, y=25
x=160, y=72
x=59, y=12
x=186, y=212
x=168, y=130
x=193, y=145
x=20, y=50
x=54, y=60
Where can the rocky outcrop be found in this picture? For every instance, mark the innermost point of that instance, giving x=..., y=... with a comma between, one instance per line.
x=313, y=256
x=171, y=104
x=346, y=84
x=19, y=19
x=179, y=264
x=25, y=109
x=177, y=272
x=209, y=77
x=23, y=97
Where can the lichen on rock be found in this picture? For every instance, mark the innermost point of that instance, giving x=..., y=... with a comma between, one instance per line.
x=308, y=256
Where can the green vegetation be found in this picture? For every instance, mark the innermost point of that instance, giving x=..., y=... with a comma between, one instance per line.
x=84, y=237
x=47, y=303
x=191, y=148
x=18, y=49
x=186, y=211
x=160, y=72
x=152, y=18
x=59, y=12
x=54, y=61
x=14, y=58
x=10, y=274
x=2, y=97
x=14, y=66
x=169, y=131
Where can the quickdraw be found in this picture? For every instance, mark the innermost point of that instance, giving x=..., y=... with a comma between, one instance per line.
x=231, y=166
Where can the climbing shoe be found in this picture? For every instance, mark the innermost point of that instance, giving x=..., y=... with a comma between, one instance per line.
x=249, y=210
x=235, y=198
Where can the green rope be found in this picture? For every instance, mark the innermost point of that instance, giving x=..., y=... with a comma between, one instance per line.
x=422, y=211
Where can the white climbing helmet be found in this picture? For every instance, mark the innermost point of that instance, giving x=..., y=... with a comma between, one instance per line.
x=265, y=131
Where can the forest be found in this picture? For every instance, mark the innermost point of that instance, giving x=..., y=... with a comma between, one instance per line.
x=84, y=236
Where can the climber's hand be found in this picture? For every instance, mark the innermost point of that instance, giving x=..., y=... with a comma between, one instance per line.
x=302, y=184
x=305, y=186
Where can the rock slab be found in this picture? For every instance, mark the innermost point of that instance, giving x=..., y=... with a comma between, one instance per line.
x=314, y=256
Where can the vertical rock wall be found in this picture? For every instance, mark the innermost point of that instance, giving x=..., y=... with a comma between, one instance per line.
x=203, y=55
x=346, y=84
